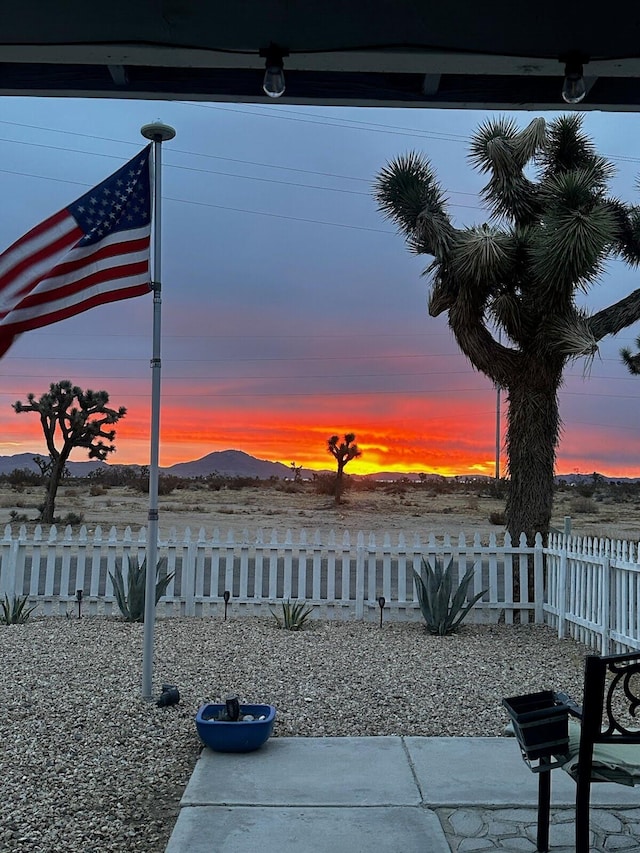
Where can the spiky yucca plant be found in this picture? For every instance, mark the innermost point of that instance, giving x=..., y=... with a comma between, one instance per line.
x=15, y=610
x=131, y=601
x=294, y=615
x=442, y=608
x=511, y=286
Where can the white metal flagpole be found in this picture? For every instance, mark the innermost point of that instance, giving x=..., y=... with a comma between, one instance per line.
x=158, y=133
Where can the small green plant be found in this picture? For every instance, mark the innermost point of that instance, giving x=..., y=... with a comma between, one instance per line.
x=15, y=610
x=294, y=615
x=131, y=600
x=442, y=608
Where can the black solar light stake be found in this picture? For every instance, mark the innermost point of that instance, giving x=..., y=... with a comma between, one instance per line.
x=226, y=595
x=381, y=603
x=79, y=600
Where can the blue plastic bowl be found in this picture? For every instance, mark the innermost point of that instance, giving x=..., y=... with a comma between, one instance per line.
x=240, y=736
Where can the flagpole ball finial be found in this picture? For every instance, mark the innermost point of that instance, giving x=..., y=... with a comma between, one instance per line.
x=157, y=131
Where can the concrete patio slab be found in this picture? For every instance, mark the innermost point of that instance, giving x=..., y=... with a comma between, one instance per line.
x=489, y=771
x=371, y=771
x=210, y=829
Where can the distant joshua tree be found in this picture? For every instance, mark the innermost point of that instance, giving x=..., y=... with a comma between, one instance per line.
x=79, y=418
x=342, y=452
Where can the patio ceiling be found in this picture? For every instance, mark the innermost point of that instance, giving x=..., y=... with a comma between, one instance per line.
x=352, y=52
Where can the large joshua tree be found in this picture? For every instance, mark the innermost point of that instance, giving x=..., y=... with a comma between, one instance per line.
x=74, y=418
x=552, y=226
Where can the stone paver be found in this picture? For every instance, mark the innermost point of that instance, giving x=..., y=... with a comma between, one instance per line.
x=478, y=829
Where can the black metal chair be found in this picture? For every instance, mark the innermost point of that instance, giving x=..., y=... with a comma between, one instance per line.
x=603, y=747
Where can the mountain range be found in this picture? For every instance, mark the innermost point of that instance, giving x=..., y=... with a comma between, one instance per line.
x=228, y=463
x=236, y=463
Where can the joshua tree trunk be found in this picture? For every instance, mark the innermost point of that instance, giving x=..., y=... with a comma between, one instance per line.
x=55, y=475
x=337, y=495
x=533, y=425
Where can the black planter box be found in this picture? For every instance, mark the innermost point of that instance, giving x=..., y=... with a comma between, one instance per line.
x=540, y=722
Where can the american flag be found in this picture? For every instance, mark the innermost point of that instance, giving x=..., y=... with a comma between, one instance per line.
x=94, y=251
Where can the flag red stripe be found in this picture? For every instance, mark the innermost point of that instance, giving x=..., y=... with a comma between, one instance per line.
x=13, y=329
x=39, y=229
x=112, y=273
x=109, y=251
x=56, y=247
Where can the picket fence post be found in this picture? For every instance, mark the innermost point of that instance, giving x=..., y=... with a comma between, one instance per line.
x=538, y=579
x=605, y=648
x=8, y=554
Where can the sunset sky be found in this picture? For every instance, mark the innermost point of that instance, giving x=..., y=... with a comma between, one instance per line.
x=291, y=309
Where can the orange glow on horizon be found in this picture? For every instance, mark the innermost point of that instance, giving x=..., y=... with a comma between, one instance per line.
x=410, y=438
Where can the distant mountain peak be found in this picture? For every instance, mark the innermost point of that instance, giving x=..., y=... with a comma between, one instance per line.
x=229, y=463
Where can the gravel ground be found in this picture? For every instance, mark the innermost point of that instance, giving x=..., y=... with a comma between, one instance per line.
x=87, y=765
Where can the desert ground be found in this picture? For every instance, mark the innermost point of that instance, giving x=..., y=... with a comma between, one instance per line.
x=87, y=764
x=267, y=506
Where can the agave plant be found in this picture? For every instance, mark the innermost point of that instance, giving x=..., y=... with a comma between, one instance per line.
x=294, y=615
x=442, y=608
x=131, y=601
x=15, y=610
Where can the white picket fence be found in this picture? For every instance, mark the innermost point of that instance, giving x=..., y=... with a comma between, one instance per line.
x=593, y=591
x=592, y=588
x=341, y=578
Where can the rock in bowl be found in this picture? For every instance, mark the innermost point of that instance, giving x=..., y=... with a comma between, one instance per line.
x=243, y=735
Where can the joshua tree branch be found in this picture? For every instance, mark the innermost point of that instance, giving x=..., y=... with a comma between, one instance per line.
x=616, y=317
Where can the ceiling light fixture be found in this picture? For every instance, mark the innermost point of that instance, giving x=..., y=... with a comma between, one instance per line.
x=573, y=88
x=274, y=83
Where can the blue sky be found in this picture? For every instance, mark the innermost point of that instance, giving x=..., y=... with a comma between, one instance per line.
x=291, y=309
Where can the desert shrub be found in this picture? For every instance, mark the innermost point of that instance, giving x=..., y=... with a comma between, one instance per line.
x=498, y=518
x=95, y=491
x=585, y=490
x=364, y=484
x=21, y=477
x=441, y=486
x=584, y=505
x=131, y=600
x=18, y=517
x=72, y=518
x=442, y=608
x=324, y=484
x=237, y=483
x=290, y=487
x=166, y=484
x=497, y=489
x=398, y=487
